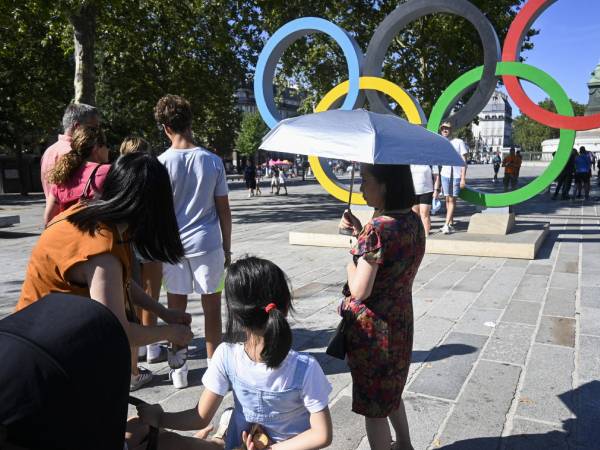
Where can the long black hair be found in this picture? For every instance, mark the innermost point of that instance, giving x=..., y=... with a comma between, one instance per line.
x=251, y=286
x=398, y=182
x=137, y=193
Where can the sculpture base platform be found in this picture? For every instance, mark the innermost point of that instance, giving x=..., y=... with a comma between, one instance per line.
x=523, y=242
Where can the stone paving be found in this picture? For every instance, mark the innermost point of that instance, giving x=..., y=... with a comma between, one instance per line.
x=506, y=352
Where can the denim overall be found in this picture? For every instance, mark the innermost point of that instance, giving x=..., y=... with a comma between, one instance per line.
x=282, y=414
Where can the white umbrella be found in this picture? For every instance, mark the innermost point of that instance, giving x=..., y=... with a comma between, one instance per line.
x=362, y=136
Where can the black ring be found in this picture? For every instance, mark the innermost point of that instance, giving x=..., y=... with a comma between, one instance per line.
x=414, y=9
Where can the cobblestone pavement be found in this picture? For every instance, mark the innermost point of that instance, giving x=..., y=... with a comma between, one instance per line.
x=506, y=352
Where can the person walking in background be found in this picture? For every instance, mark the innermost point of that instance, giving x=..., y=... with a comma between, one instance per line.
x=563, y=183
x=250, y=178
x=422, y=177
x=452, y=178
x=200, y=196
x=583, y=169
x=78, y=174
x=282, y=181
x=378, y=298
x=512, y=165
x=520, y=158
x=76, y=114
x=275, y=180
x=86, y=251
x=497, y=162
x=275, y=388
x=149, y=272
x=258, y=177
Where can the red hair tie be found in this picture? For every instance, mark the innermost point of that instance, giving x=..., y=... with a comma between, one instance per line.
x=269, y=307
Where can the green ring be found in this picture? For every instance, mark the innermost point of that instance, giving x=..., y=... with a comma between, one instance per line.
x=567, y=137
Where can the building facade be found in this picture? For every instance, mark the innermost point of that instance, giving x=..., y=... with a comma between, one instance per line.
x=494, y=131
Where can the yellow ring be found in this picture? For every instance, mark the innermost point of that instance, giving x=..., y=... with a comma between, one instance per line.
x=406, y=102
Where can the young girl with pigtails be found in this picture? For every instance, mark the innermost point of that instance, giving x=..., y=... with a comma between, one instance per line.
x=280, y=395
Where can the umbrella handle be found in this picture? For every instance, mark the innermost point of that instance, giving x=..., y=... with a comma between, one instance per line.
x=348, y=231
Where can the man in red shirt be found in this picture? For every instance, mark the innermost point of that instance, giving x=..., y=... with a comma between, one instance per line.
x=75, y=115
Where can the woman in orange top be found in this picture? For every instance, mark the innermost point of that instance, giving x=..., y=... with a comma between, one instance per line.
x=86, y=250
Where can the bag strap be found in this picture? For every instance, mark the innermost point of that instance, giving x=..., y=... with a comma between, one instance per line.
x=88, y=184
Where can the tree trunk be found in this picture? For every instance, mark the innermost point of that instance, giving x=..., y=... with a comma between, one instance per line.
x=83, y=20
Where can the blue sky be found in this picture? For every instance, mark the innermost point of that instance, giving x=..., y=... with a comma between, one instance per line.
x=568, y=46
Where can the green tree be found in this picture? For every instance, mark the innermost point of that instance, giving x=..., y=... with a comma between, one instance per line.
x=529, y=134
x=35, y=79
x=424, y=58
x=252, y=130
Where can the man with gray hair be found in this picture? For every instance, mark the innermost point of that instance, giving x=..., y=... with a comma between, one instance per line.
x=75, y=115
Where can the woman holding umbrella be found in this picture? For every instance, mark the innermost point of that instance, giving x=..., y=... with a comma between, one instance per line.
x=378, y=298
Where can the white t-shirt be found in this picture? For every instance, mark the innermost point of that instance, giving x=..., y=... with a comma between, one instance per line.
x=315, y=389
x=197, y=177
x=422, y=179
x=461, y=148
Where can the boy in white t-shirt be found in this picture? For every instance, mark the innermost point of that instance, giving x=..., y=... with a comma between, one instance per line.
x=200, y=197
x=283, y=391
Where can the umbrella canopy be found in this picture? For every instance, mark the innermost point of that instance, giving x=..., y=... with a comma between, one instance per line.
x=362, y=136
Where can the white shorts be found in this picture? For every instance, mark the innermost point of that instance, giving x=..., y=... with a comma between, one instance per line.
x=200, y=274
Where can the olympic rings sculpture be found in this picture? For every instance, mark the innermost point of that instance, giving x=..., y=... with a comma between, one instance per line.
x=364, y=73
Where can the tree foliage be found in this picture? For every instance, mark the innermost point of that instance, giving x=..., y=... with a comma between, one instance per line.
x=252, y=130
x=529, y=134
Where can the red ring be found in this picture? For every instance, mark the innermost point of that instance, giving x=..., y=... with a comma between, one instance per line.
x=511, y=52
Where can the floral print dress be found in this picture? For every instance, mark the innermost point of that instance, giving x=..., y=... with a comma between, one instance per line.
x=380, y=337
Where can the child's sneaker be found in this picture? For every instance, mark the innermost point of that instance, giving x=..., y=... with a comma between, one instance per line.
x=141, y=379
x=179, y=377
x=446, y=229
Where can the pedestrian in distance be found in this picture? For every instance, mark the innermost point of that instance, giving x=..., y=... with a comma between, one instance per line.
x=86, y=251
x=258, y=178
x=497, y=162
x=423, y=181
x=512, y=165
x=565, y=179
x=378, y=299
x=282, y=182
x=452, y=178
x=275, y=388
x=583, y=168
x=250, y=178
x=150, y=272
x=275, y=180
x=79, y=174
x=76, y=115
x=202, y=207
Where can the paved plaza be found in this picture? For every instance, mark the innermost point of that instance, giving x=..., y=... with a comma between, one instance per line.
x=506, y=352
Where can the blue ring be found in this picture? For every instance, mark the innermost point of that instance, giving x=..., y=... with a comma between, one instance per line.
x=280, y=41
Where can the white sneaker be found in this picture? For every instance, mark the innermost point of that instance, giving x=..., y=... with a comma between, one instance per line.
x=179, y=377
x=141, y=379
x=446, y=229
x=177, y=356
x=452, y=229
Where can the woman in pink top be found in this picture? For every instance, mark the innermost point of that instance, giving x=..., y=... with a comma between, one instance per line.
x=78, y=174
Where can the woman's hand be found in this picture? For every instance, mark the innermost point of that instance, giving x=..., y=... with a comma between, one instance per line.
x=150, y=414
x=180, y=334
x=349, y=221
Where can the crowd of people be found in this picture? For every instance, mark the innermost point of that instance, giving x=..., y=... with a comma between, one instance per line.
x=253, y=176
x=116, y=232
x=577, y=175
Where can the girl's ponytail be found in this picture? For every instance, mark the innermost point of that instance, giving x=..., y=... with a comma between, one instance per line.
x=277, y=338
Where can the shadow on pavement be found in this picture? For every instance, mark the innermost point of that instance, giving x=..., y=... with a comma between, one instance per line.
x=582, y=432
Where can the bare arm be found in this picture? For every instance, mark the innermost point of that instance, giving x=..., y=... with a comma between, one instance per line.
x=190, y=419
x=361, y=278
x=224, y=213
x=103, y=275
x=51, y=209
